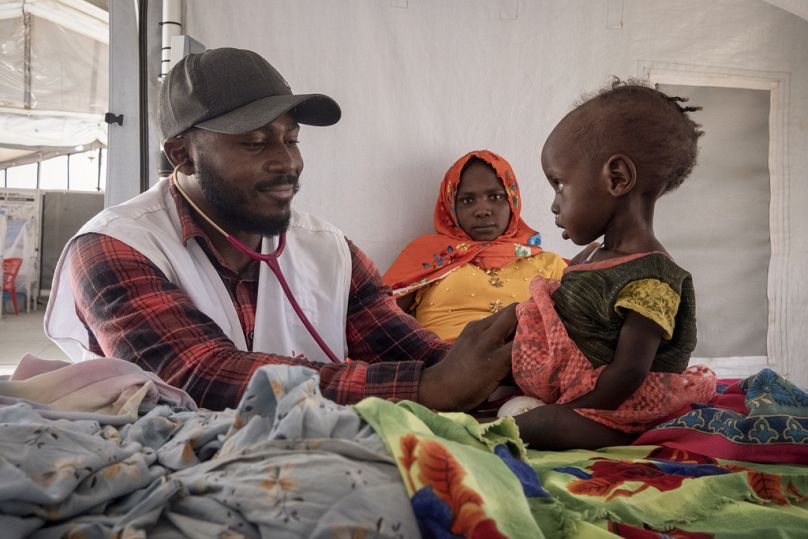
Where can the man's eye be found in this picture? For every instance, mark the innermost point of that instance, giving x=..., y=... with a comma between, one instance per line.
x=254, y=145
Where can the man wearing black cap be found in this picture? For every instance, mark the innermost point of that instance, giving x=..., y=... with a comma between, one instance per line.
x=171, y=280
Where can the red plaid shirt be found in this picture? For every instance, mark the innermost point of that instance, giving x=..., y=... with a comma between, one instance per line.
x=133, y=312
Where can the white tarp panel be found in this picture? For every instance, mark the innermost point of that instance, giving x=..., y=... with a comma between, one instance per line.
x=41, y=131
x=53, y=75
x=717, y=224
x=422, y=81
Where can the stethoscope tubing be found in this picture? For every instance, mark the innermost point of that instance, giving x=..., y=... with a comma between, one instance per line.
x=271, y=260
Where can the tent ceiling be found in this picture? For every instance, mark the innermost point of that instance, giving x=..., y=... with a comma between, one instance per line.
x=11, y=155
x=54, y=82
x=101, y=4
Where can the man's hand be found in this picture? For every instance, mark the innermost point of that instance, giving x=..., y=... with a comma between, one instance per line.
x=474, y=367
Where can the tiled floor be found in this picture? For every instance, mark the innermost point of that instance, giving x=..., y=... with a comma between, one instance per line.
x=23, y=334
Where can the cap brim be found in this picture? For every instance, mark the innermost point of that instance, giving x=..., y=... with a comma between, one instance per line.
x=309, y=109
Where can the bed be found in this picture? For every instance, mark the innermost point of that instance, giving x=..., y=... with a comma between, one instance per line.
x=113, y=452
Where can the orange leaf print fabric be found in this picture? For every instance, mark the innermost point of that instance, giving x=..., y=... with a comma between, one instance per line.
x=768, y=487
x=437, y=469
x=408, y=445
x=608, y=476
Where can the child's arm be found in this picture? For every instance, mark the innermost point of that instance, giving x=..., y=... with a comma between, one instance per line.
x=636, y=348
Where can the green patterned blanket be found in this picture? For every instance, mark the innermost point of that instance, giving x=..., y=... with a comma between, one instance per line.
x=467, y=479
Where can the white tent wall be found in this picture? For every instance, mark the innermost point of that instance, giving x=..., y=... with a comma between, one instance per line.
x=421, y=82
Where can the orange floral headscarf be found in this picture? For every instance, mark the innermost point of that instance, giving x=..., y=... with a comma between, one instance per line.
x=431, y=257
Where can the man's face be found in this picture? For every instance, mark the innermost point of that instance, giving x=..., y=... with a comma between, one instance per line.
x=248, y=180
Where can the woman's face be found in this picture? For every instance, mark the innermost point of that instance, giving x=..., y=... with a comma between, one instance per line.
x=482, y=203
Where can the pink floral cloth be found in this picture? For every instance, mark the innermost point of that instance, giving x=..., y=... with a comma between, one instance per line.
x=104, y=389
x=549, y=366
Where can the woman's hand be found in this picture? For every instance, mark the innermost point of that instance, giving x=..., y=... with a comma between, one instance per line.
x=479, y=359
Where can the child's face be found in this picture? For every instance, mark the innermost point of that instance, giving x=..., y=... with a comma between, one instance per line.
x=582, y=203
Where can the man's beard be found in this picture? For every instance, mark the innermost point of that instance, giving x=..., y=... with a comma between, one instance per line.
x=230, y=204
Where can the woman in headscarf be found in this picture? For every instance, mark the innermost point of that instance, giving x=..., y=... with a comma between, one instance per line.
x=482, y=256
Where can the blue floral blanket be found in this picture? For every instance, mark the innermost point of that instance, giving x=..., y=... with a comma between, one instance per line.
x=287, y=463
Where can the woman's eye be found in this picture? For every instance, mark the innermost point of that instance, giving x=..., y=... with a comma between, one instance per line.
x=498, y=196
x=466, y=201
x=293, y=142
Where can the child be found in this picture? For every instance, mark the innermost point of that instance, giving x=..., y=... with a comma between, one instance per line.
x=609, y=345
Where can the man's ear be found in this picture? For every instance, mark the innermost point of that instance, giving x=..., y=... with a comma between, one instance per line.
x=621, y=174
x=177, y=153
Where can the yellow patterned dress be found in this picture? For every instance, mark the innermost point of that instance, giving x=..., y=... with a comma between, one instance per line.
x=471, y=293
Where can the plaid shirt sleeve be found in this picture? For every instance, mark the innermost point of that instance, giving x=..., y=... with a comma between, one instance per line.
x=133, y=312
x=386, y=345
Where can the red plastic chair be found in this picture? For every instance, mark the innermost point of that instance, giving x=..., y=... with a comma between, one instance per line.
x=11, y=266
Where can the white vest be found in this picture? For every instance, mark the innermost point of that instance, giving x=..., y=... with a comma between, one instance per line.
x=316, y=263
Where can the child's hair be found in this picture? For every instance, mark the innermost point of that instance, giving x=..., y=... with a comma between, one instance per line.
x=646, y=124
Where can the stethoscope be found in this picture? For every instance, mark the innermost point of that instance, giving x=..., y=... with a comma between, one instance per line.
x=271, y=260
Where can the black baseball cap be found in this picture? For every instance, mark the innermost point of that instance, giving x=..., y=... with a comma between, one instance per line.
x=233, y=91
